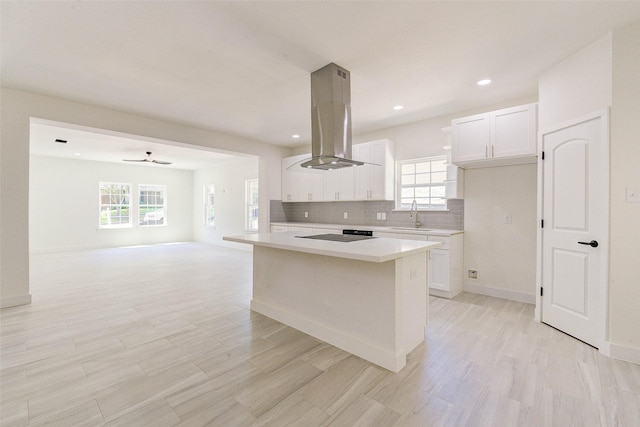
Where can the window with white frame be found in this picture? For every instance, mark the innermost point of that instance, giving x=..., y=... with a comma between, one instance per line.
x=251, y=205
x=115, y=205
x=152, y=204
x=209, y=205
x=422, y=181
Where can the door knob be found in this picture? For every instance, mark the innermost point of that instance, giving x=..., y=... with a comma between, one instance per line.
x=593, y=243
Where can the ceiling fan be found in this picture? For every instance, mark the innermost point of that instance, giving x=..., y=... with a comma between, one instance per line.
x=148, y=159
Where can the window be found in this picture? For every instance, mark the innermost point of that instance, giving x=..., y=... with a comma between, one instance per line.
x=251, y=204
x=115, y=205
x=421, y=180
x=209, y=205
x=152, y=205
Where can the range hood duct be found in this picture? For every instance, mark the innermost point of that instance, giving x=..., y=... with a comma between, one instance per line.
x=330, y=119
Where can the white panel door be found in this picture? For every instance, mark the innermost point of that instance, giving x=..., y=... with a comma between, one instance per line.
x=574, y=236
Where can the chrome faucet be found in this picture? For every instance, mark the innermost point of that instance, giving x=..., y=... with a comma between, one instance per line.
x=414, y=205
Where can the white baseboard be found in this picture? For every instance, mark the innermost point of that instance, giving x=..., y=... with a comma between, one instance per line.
x=500, y=293
x=354, y=345
x=617, y=351
x=15, y=301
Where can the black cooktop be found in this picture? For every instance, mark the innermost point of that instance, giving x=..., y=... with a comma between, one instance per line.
x=337, y=237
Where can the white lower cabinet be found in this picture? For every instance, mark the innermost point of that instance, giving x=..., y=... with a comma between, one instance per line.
x=445, y=262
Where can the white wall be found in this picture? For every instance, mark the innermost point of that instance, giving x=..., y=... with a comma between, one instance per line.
x=229, y=180
x=63, y=204
x=17, y=109
x=625, y=172
x=503, y=254
x=579, y=85
x=607, y=74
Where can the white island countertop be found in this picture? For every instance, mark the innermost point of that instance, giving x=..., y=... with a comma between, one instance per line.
x=375, y=228
x=378, y=249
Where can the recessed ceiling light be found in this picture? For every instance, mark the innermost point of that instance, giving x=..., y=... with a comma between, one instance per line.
x=77, y=154
x=295, y=136
x=398, y=107
x=484, y=82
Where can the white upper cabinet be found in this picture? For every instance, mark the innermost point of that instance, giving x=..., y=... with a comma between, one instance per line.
x=338, y=184
x=471, y=137
x=290, y=180
x=454, y=184
x=374, y=181
x=311, y=186
x=502, y=137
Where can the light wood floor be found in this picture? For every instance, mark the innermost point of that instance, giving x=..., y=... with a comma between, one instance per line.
x=163, y=336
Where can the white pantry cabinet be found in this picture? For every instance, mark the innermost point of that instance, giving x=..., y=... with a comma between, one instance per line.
x=496, y=138
x=375, y=179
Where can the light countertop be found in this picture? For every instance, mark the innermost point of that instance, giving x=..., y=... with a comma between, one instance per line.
x=379, y=249
x=381, y=229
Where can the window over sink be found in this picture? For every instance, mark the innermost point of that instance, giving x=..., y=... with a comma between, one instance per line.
x=422, y=181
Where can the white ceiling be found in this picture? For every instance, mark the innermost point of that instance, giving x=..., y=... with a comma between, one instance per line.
x=99, y=145
x=242, y=67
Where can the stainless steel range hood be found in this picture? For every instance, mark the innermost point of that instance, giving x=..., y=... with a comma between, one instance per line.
x=330, y=119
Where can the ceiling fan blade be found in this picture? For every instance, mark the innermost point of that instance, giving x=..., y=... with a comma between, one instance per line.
x=136, y=160
x=160, y=162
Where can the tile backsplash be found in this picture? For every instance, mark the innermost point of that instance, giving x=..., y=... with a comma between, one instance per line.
x=365, y=213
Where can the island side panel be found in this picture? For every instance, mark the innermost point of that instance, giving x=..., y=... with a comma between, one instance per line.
x=412, y=301
x=347, y=303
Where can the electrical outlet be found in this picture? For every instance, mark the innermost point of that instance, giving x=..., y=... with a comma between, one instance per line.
x=384, y=216
x=306, y=214
x=473, y=274
x=507, y=219
x=346, y=215
x=378, y=216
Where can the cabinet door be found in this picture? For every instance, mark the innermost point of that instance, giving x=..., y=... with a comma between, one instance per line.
x=338, y=184
x=514, y=132
x=471, y=138
x=290, y=181
x=439, y=269
x=311, y=186
x=362, y=174
x=378, y=174
x=375, y=179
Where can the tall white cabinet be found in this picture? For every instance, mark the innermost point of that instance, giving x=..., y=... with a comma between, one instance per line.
x=502, y=137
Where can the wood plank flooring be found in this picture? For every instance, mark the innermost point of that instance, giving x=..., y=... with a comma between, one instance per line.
x=163, y=336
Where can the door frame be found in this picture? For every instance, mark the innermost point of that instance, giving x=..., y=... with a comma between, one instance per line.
x=603, y=291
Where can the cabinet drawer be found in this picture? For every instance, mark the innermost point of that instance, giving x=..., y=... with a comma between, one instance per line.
x=446, y=241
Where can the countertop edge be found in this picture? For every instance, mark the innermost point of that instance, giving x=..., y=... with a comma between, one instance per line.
x=253, y=239
x=378, y=228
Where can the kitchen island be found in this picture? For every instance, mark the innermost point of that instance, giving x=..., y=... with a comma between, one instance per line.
x=367, y=297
